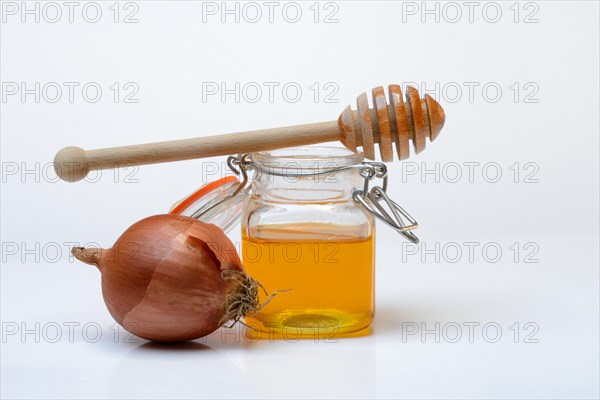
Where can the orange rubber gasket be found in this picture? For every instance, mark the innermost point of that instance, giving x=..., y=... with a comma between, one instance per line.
x=191, y=199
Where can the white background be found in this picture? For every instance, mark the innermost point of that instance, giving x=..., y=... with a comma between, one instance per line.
x=547, y=123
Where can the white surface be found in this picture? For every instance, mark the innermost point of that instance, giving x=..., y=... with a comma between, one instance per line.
x=169, y=53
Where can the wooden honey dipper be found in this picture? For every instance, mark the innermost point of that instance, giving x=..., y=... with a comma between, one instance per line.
x=397, y=122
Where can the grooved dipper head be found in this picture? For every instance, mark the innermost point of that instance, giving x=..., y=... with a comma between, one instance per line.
x=399, y=121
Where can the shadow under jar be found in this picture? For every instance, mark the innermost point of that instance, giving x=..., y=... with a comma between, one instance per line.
x=308, y=235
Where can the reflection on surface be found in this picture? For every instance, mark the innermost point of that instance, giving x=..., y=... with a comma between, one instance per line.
x=173, y=347
x=314, y=368
x=165, y=370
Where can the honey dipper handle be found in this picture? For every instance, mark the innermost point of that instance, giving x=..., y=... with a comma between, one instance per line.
x=73, y=163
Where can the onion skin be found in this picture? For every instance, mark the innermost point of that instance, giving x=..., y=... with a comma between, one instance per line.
x=168, y=278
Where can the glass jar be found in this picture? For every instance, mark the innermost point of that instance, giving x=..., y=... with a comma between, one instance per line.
x=307, y=234
x=303, y=231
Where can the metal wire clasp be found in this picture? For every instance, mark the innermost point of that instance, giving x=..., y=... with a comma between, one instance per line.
x=243, y=185
x=375, y=199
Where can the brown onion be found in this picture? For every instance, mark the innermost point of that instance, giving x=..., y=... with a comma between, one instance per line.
x=172, y=278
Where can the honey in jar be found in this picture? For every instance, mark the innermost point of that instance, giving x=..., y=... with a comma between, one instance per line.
x=304, y=235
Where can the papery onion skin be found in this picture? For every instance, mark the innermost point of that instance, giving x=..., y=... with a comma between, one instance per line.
x=163, y=279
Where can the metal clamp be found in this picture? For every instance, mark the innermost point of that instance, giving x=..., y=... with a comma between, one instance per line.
x=372, y=201
x=232, y=161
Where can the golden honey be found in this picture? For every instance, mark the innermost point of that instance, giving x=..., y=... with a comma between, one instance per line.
x=328, y=269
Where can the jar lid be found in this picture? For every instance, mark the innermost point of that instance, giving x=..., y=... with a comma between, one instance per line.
x=219, y=202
